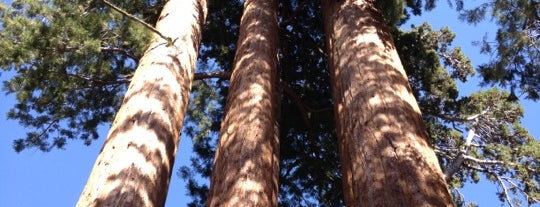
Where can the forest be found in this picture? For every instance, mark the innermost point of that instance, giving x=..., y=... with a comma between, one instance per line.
x=287, y=103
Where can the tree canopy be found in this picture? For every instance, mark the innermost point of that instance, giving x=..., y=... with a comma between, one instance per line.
x=73, y=60
x=515, y=51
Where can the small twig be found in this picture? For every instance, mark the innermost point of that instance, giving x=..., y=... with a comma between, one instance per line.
x=505, y=190
x=134, y=18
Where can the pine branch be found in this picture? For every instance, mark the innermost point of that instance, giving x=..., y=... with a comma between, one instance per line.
x=198, y=76
x=505, y=190
x=484, y=162
x=500, y=180
x=462, y=154
x=134, y=18
x=121, y=51
x=514, y=185
x=458, y=161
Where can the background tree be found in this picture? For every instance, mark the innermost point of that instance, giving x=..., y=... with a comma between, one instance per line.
x=515, y=51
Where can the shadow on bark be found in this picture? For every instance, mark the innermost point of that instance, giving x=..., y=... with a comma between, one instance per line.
x=143, y=128
x=386, y=158
x=246, y=167
x=136, y=161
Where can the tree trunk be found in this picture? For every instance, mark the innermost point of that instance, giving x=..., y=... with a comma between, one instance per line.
x=385, y=155
x=136, y=161
x=246, y=165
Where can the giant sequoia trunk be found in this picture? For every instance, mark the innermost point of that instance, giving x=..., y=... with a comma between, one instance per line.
x=385, y=155
x=136, y=161
x=246, y=165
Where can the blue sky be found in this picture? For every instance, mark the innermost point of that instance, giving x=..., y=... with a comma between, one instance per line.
x=33, y=178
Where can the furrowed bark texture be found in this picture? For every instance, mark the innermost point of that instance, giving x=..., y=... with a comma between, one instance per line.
x=135, y=164
x=386, y=158
x=246, y=165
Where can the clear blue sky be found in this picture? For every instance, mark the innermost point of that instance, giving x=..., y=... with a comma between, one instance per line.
x=33, y=178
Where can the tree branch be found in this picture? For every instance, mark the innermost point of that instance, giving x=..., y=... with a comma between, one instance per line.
x=514, y=185
x=298, y=102
x=454, y=167
x=462, y=154
x=485, y=162
x=219, y=74
x=501, y=180
x=134, y=18
x=505, y=190
x=121, y=51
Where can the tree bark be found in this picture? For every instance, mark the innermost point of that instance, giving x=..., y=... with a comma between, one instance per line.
x=246, y=165
x=135, y=164
x=385, y=155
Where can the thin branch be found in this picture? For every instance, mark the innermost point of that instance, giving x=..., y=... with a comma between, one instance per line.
x=462, y=154
x=319, y=110
x=501, y=182
x=295, y=98
x=121, y=51
x=198, y=76
x=514, y=185
x=460, y=158
x=477, y=168
x=505, y=190
x=458, y=119
x=134, y=18
x=479, y=161
x=220, y=74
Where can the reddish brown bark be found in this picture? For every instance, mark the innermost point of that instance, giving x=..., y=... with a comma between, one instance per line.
x=136, y=161
x=386, y=158
x=246, y=165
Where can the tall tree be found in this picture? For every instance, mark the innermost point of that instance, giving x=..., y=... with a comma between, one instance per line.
x=385, y=155
x=136, y=161
x=72, y=61
x=246, y=164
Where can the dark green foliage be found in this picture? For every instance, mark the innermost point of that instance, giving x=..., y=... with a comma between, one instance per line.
x=503, y=151
x=71, y=67
x=307, y=125
x=502, y=143
x=515, y=53
x=72, y=64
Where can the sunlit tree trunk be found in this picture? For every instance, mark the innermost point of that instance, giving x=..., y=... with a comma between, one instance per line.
x=385, y=155
x=136, y=161
x=246, y=165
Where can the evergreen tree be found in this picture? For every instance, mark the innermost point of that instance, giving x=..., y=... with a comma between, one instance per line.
x=246, y=164
x=135, y=163
x=516, y=50
x=72, y=65
x=385, y=154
